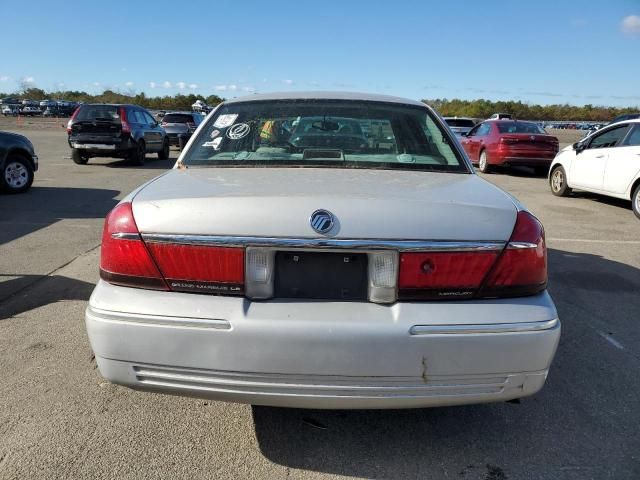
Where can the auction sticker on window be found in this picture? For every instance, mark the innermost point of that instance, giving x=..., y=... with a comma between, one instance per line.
x=223, y=121
x=238, y=131
x=215, y=143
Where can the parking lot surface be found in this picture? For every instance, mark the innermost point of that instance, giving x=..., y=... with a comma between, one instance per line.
x=60, y=419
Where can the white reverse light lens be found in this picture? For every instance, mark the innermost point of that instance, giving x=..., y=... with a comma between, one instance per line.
x=384, y=269
x=383, y=277
x=259, y=265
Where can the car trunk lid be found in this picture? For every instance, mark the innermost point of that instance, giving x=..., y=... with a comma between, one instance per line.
x=367, y=204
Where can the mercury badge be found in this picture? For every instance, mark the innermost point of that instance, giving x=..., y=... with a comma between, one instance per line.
x=321, y=221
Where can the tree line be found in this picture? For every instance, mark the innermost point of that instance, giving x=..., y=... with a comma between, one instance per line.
x=484, y=108
x=480, y=108
x=166, y=102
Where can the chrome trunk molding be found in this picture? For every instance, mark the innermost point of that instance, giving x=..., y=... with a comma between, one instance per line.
x=337, y=243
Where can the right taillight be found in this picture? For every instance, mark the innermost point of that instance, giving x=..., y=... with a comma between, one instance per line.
x=126, y=128
x=519, y=270
x=522, y=267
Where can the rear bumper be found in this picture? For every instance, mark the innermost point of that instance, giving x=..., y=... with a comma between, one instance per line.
x=528, y=161
x=106, y=146
x=174, y=138
x=323, y=354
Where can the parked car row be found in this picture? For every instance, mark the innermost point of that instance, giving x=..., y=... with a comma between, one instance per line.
x=47, y=108
x=605, y=162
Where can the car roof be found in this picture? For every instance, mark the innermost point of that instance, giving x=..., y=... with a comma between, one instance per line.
x=458, y=118
x=629, y=120
x=181, y=113
x=324, y=95
x=111, y=105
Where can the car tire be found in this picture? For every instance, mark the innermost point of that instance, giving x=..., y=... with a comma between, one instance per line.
x=78, y=158
x=17, y=174
x=483, y=163
x=164, y=153
x=138, y=155
x=635, y=201
x=558, y=182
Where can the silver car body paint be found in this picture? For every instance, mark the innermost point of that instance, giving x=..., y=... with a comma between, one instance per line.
x=323, y=354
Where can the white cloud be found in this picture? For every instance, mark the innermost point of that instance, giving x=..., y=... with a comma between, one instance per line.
x=248, y=89
x=28, y=80
x=166, y=84
x=193, y=86
x=4, y=78
x=288, y=82
x=181, y=85
x=60, y=85
x=153, y=84
x=223, y=88
x=128, y=84
x=631, y=25
x=96, y=84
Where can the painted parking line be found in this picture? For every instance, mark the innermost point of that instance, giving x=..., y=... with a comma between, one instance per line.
x=611, y=340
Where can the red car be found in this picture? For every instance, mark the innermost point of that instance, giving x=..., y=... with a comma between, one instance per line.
x=510, y=142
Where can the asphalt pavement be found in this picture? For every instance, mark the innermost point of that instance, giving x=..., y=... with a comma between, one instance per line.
x=60, y=419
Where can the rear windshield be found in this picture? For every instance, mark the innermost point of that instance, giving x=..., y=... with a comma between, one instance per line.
x=98, y=112
x=459, y=122
x=519, y=127
x=306, y=133
x=178, y=118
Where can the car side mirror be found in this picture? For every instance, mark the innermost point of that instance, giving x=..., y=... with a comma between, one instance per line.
x=579, y=147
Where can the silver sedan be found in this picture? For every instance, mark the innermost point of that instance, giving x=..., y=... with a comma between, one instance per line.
x=324, y=250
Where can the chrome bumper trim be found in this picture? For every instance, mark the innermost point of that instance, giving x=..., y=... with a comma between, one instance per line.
x=156, y=320
x=338, y=243
x=485, y=328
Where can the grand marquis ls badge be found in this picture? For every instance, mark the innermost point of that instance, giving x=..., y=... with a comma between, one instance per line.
x=321, y=221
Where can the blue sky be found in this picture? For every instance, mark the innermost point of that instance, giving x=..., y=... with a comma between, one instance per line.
x=542, y=52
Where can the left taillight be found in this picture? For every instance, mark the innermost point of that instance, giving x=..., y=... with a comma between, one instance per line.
x=199, y=268
x=124, y=258
x=70, y=122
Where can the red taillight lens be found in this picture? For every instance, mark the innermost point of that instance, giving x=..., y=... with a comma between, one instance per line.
x=194, y=268
x=522, y=267
x=126, y=128
x=444, y=275
x=124, y=258
x=73, y=117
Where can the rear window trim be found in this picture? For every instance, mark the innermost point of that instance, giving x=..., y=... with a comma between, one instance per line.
x=435, y=117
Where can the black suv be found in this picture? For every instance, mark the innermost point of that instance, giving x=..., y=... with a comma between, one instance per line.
x=18, y=161
x=121, y=131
